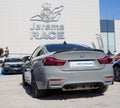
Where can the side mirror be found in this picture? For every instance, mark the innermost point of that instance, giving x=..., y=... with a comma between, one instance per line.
x=30, y=63
x=29, y=58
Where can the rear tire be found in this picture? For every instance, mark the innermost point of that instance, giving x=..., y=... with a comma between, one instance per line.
x=35, y=92
x=117, y=73
x=101, y=89
x=23, y=80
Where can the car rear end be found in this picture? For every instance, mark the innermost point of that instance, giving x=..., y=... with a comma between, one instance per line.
x=75, y=70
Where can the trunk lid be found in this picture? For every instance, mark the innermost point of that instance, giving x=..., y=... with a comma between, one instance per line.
x=80, y=60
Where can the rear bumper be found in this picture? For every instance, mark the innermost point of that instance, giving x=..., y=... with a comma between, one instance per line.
x=82, y=86
x=78, y=85
x=56, y=79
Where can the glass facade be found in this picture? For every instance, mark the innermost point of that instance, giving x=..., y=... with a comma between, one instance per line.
x=107, y=25
x=108, y=36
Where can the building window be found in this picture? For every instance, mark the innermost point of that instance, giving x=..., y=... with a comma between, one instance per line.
x=109, y=42
x=108, y=36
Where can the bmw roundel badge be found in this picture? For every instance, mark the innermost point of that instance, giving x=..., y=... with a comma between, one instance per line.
x=82, y=55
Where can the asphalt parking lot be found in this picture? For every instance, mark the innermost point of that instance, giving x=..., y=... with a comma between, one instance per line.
x=13, y=95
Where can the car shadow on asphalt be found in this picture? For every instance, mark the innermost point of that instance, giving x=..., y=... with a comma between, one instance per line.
x=60, y=95
x=64, y=95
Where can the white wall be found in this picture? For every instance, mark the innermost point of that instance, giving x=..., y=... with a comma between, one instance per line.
x=79, y=17
x=117, y=35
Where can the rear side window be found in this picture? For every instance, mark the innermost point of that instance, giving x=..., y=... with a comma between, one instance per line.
x=65, y=47
x=41, y=52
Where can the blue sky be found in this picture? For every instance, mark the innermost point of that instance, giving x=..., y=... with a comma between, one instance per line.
x=110, y=9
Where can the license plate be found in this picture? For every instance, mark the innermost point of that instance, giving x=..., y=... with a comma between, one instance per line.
x=81, y=63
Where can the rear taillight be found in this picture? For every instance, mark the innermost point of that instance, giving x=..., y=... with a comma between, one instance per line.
x=105, y=60
x=53, y=62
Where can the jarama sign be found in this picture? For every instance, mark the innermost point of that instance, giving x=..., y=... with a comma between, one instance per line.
x=45, y=25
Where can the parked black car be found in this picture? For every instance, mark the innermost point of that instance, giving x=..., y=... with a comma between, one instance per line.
x=116, y=67
x=13, y=65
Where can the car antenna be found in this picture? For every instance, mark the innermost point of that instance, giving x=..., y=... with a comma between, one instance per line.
x=64, y=42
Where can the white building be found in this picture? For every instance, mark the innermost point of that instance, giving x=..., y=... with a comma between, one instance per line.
x=117, y=35
x=26, y=24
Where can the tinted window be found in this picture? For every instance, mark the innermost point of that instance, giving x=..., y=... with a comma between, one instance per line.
x=35, y=52
x=107, y=25
x=65, y=47
x=41, y=52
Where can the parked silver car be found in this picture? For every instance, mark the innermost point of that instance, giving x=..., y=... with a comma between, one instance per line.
x=67, y=67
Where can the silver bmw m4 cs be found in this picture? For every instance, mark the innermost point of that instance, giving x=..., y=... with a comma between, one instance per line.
x=67, y=67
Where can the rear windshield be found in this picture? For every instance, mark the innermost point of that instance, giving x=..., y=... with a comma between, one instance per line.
x=66, y=47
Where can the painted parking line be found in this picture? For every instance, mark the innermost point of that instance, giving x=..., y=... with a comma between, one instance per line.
x=1, y=74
